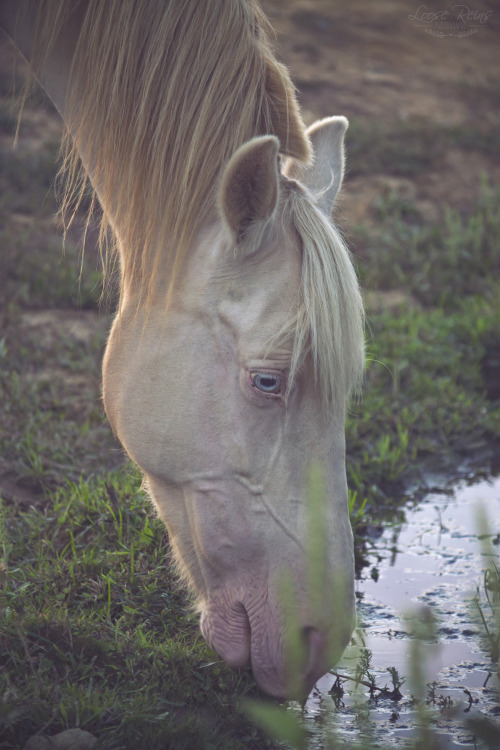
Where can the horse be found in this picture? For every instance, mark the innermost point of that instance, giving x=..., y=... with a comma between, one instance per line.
x=238, y=336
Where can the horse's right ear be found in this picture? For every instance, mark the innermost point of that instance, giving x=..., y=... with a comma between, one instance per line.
x=324, y=176
x=249, y=189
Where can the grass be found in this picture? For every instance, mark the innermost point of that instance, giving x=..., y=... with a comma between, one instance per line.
x=52, y=420
x=96, y=634
x=425, y=394
x=436, y=264
x=94, y=630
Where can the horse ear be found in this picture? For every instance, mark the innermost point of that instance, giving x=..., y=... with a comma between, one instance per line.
x=324, y=176
x=250, y=184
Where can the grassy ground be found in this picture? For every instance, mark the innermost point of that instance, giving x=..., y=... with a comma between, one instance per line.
x=94, y=630
x=431, y=395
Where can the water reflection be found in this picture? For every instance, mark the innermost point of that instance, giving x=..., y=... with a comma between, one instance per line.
x=431, y=561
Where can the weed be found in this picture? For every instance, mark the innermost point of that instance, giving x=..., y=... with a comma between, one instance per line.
x=356, y=509
x=397, y=683
x=487, y=601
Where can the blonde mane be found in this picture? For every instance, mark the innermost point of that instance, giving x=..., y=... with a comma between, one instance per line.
x=160, y=95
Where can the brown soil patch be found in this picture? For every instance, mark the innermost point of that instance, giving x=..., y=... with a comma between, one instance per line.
x=371, y=61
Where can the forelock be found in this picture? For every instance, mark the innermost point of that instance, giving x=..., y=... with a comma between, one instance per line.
x=329, y=323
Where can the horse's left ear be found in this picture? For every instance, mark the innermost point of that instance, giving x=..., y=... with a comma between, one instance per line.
x=324, y=176
x=250, y=184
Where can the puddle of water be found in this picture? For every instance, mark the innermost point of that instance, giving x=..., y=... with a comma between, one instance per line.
x=431, y=561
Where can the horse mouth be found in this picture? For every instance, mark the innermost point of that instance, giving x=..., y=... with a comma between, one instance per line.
x=239, y=639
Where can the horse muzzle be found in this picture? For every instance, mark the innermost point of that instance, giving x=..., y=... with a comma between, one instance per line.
x=286, y=659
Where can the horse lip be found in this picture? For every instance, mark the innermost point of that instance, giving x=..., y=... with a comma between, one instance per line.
x=232, y=642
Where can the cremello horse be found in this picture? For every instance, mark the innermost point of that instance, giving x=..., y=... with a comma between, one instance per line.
x=239, y=331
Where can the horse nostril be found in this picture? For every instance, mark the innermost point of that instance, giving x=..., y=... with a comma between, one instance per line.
x=310, y=636
x=305, y=637
x=315, y=649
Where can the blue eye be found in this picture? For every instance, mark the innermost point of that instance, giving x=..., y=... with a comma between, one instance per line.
x=266, y=382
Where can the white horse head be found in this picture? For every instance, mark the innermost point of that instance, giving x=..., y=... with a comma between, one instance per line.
x=226, y=402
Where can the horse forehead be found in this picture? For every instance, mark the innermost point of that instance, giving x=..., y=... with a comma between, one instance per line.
x=262, y=294
x=248, y=290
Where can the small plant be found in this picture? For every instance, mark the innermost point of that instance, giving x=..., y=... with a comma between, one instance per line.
x=363, y=676
x=362, y=673
x=397, y=683
x=488, y=615
x=488, y=605
x=491, y=588
x=356, y=509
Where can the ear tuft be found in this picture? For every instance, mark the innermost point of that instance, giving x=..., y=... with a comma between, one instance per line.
x=250, y=184
x=323, y=177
